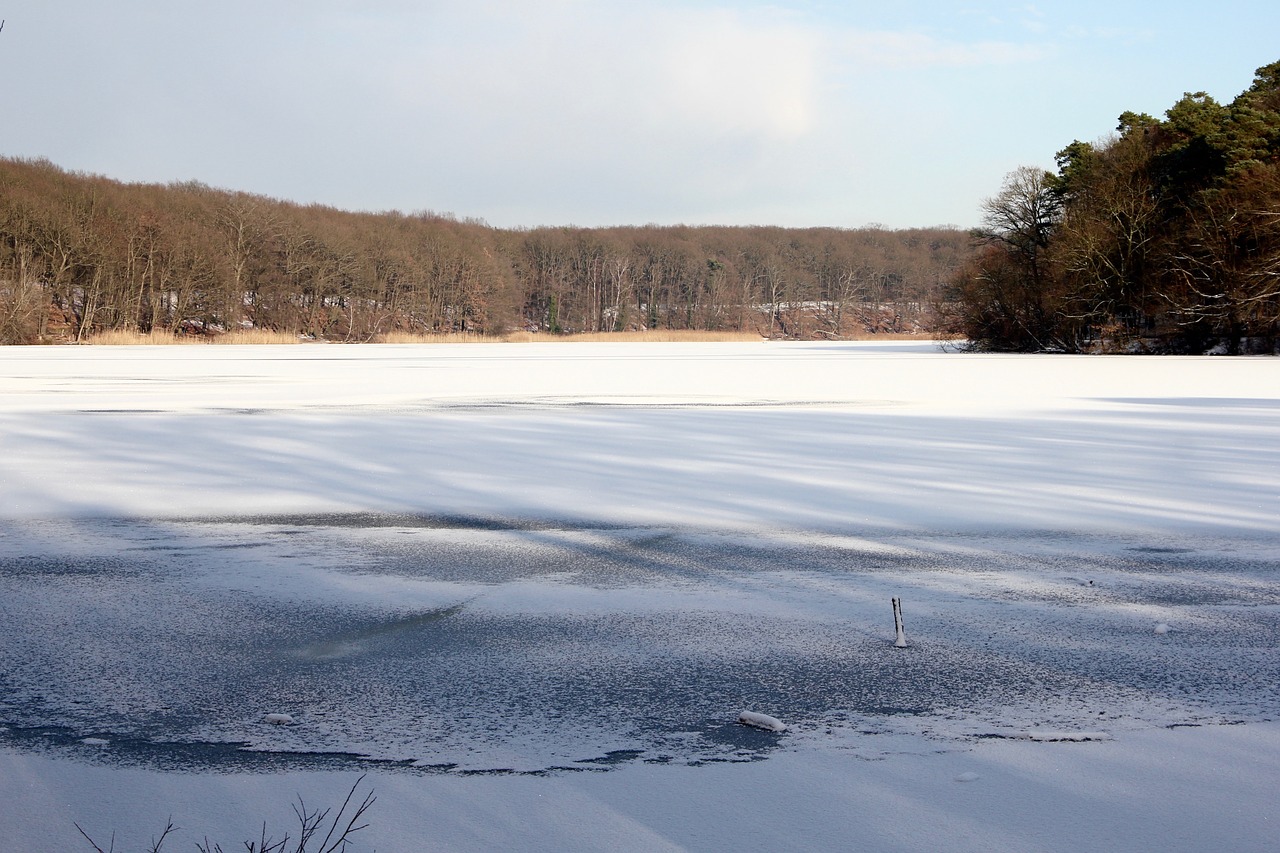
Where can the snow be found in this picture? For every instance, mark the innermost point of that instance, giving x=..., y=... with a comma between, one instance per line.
x=800, y=436
x=761, y=721
x=527, y=588
x=1152, y=790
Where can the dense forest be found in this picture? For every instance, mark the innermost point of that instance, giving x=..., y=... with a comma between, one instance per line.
x=1164, y=237
x=82, y=254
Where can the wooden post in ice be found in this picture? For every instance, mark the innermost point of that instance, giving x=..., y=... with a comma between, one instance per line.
x=901, y=641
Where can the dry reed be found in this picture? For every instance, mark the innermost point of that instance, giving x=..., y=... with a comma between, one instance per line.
x=126, y=337
x=649, y=336
x=255, y=336
x=131, y=338
x=265, y=336
x=439, y=338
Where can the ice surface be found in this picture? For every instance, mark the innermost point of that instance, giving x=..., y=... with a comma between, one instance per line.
x=817, y=437
x=638, y=644
x=490, y=573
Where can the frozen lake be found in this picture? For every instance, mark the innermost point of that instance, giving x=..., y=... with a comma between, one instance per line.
x=481, y=645
x=528, y=564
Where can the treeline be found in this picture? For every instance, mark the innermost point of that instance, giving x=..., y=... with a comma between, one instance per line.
x=82, y=254
x=1164, y=237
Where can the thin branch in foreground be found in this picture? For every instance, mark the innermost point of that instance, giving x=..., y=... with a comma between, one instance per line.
x=342, y=840
x=80, y=828
x=157, y=843
x=344, y=824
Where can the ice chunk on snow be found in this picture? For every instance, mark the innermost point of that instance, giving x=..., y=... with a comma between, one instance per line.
x=278, y=719
x=761, y=721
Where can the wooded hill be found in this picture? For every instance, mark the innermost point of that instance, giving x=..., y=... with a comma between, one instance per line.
x=81, y=254
x=1164, y=237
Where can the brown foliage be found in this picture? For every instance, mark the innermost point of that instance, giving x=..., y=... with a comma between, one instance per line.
x=81, y=255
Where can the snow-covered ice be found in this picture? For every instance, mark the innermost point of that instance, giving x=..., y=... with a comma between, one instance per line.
x=761, y=721
x=531, y=587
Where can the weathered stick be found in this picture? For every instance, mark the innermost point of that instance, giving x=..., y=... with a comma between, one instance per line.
x=901, y=641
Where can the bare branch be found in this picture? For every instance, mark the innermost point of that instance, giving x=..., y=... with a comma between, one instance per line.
x=342, y=840
x=93, y=843
x=159, y=842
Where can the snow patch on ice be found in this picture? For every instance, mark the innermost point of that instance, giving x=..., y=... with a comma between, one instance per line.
x=761, y=721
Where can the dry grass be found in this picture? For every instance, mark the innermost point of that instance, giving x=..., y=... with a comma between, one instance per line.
x=125, y=338
x=444, y=338
x=695, y=336
x=659, y=335
x=653, y=336
x=263, y=336
x=255, y=336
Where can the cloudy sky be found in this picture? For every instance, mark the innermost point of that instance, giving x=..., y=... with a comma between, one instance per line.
x=597, y=112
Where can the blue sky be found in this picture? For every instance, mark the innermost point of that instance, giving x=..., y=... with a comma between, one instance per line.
x=595, y=113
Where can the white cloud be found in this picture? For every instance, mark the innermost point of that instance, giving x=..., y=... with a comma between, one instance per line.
x=588, y=111
x=592, y=69
x=575, y=108
x=740, y=75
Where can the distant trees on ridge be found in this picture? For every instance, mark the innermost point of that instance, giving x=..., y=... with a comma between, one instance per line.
x=81, y=254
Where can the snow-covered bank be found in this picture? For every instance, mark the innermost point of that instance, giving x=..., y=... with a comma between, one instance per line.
x=547, y=562
x=1176, y=791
